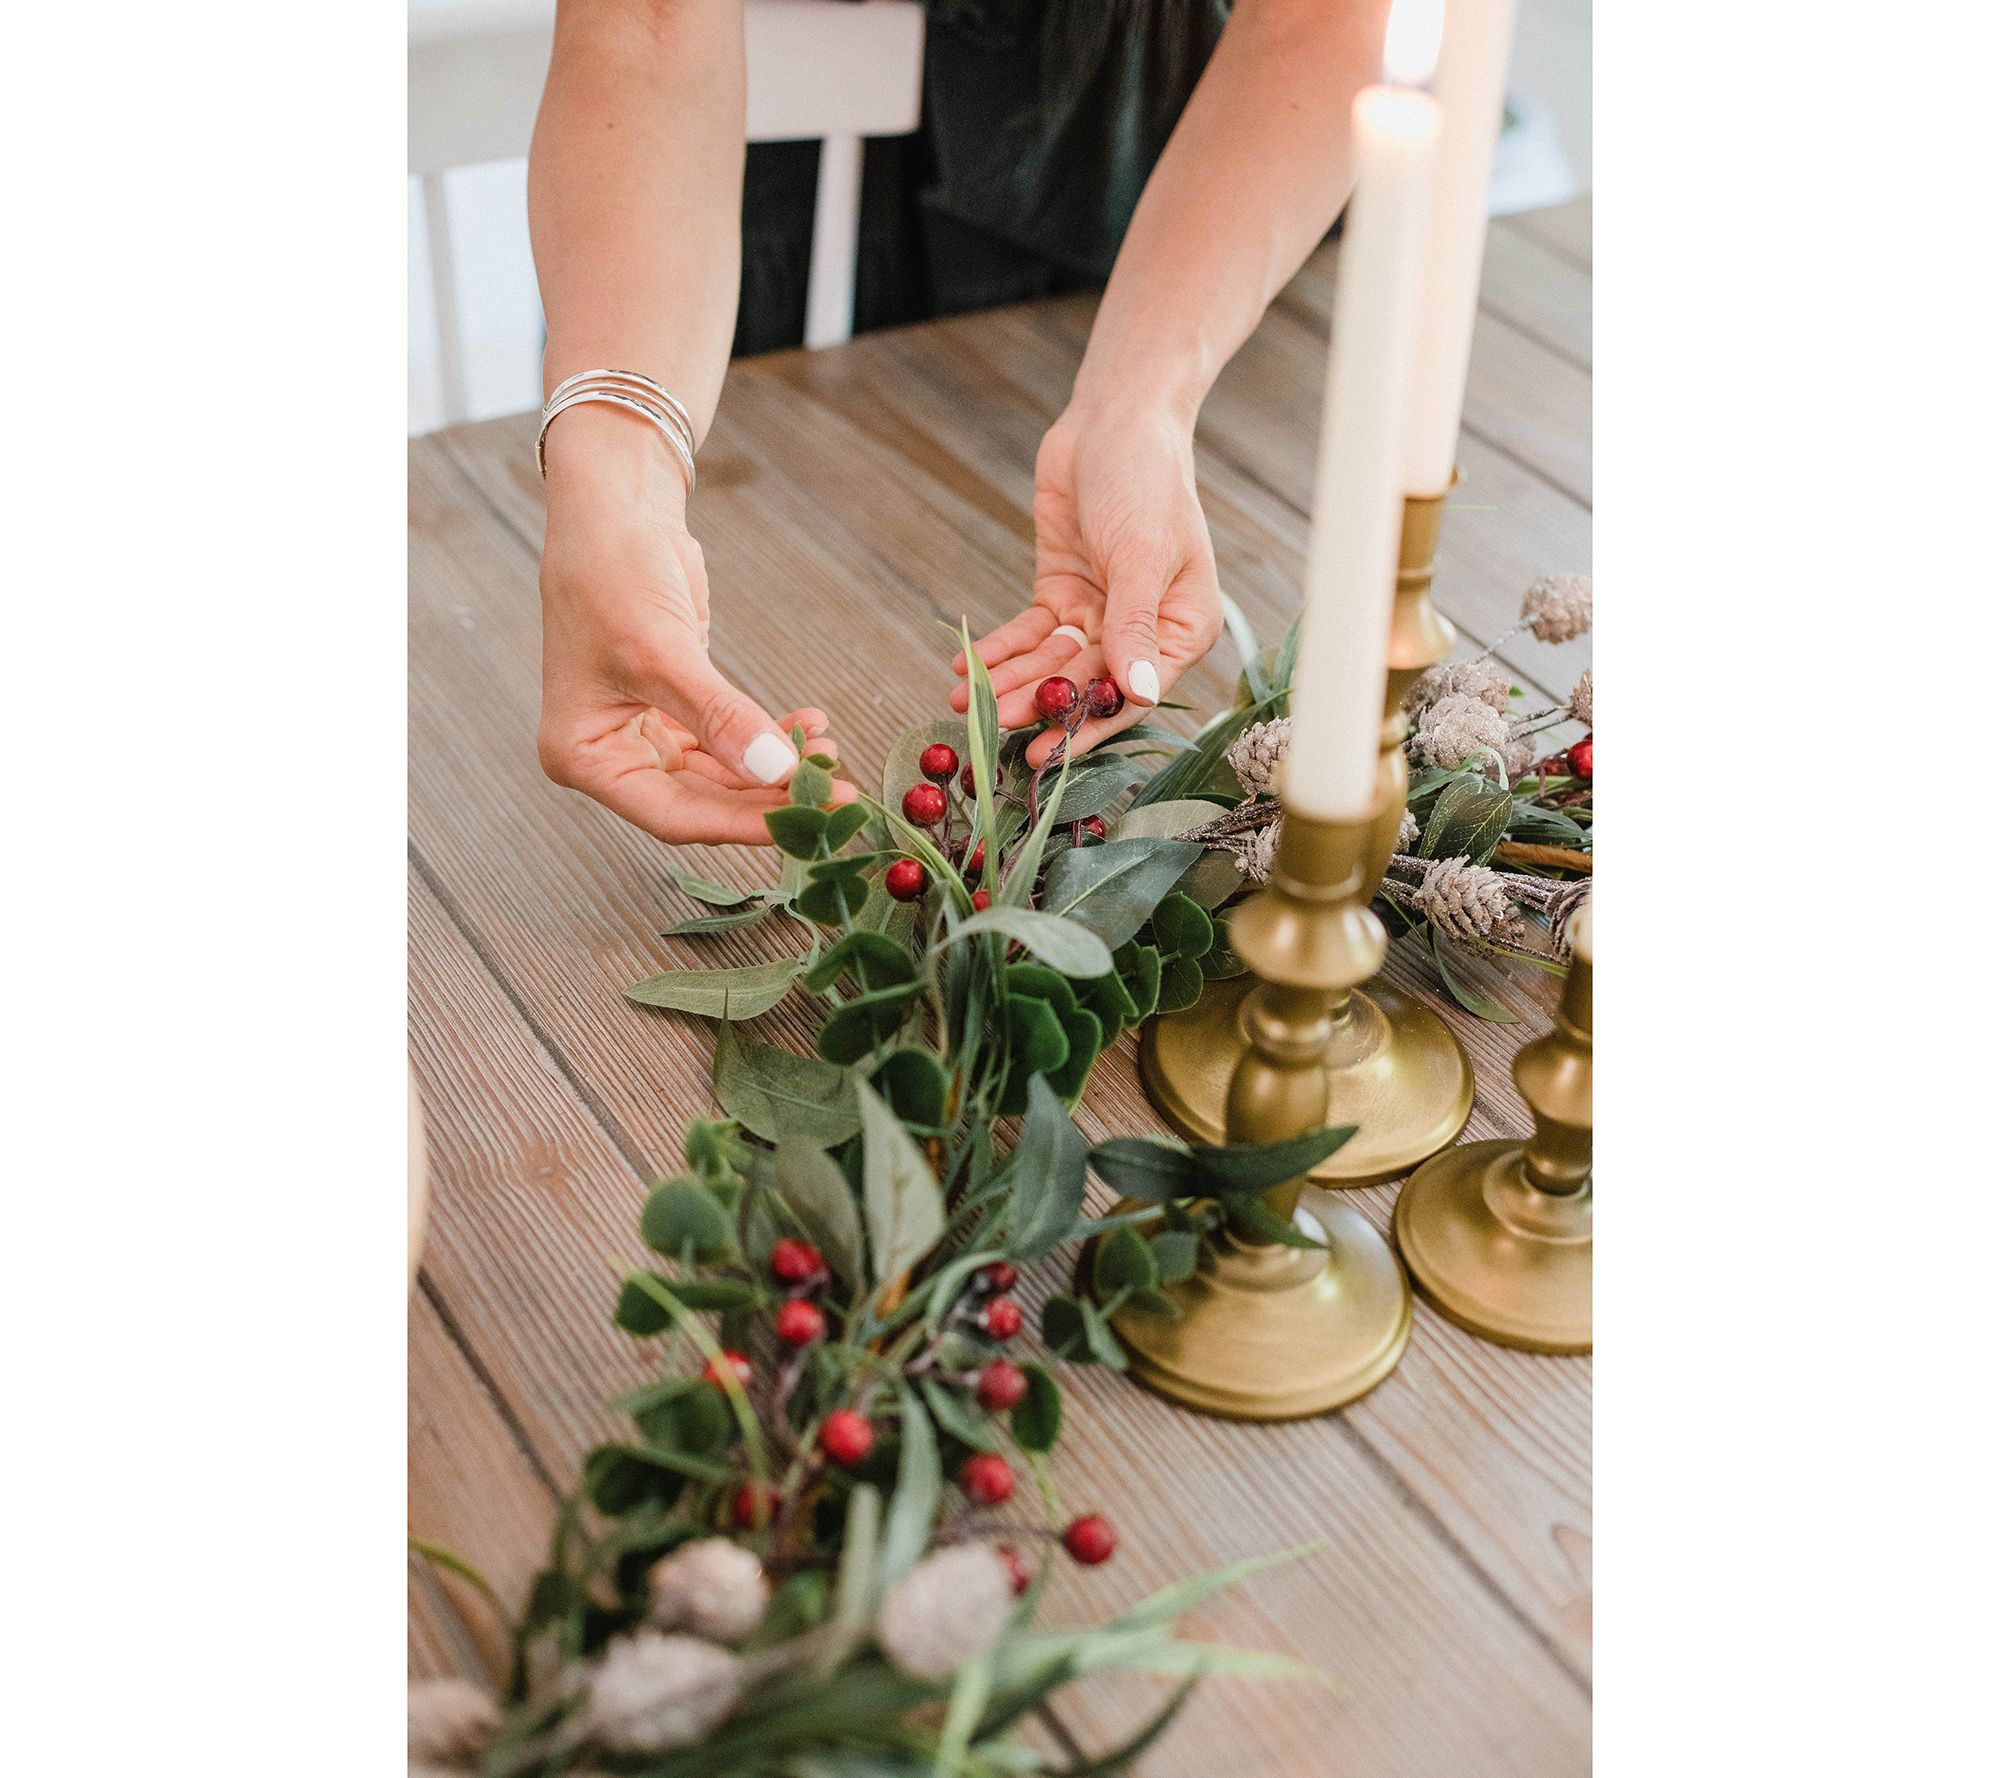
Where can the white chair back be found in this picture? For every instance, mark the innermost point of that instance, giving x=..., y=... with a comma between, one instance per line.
x=833, y=70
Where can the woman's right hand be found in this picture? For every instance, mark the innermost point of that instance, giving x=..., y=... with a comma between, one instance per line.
x=634, y=713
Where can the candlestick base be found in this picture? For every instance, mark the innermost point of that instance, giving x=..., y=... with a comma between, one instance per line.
x=1393, y=1068
x=1495, y=1254
x=1268, y=1332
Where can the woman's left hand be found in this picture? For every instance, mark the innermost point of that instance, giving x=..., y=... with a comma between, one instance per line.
x=1122, y=559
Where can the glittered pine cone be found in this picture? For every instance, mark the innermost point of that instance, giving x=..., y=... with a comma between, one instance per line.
x=1407, y=832
x=1485, y=680
x=1580, y=699
x=713, y=1587
x=653, y=1693
x=1557, y=607
x=1453, y=728
x=1467, y=900
x=947, y=1610
x=1254, y=755
x=451, y=1723
x=1255, y=851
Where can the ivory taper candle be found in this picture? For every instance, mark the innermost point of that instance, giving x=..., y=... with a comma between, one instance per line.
x=1358, y=494
x=1471, y=90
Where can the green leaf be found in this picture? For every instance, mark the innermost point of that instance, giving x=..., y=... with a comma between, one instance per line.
x=899, y=1195
x=1461, y=986
x=954, y=1417
x=970, y=1691
x=1175, y=1253
x=1097, y=781
x=1204, y=771
x=706, y=923
x=1085, y=1037
x=796, y=831
x=1062, y=1328
x=1062, y=944
x=774, y=1094
x=830, y=901
x=1245, y=641
x=1139, y=968
x=1262, y=1220
x=683, y=1220
x=1125, y=1755
x=1149, y=1170
x=1048, y=1174
x=844, y=823
x=1113, y=888
x=1111, y=1000
x=866, y=1022
x=873, y=959
x=913, y=1081
x=1036, y=1421
x=1180, y=984
x=811, y=786
x=1181, y=1596
x=900, y=769
x=1123, y=1261
x=1162, y=821
x=812, y=1187
x=1035, y=1037
x=854, y=1588
x=1182, y=928
x=1467, y=820
x=641, y=1313
x=718, y=895
x=1097, y=1334
x=919, y=1481
x=1281, y=667
x=741, y=993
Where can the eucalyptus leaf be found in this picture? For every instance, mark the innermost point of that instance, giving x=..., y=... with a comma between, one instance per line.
x=1466, y=821
x=1123, y=1261
x=899, y=1194
x=913, y=1081
x=913, y=1507
x=733, y=921
x=1036, y=1421
x=1098, y=1337
x=1182, y=928
x=703, y=889
x=1247, y=651
x=1062, y=944
x=797, y=831
x=773, y=1093
x=1049, y=1176
x=1113, y=888
x=684, y=1220
x=741, y=993
x=811, y=785
x=814, y=1189
x=1162, y=821
x=872, y=958
x=1175, y=1253
x=954, y=1418
x=1458, y=980
x=900, y=769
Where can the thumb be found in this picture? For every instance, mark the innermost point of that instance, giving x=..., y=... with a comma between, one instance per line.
x=731, y=727
x=1131, y=626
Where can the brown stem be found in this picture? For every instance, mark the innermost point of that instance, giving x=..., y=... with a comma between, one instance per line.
x=1548, y=857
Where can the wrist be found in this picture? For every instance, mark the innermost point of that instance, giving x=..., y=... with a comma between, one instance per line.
x=604, y=458
x=1125, y=404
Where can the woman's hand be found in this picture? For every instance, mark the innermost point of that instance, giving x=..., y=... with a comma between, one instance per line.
x=1122, y=555
x=633, y=712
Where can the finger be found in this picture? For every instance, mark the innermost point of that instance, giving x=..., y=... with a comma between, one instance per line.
x=1059, y=651
x=731, y=727
x=812, y=720
x=1135, y=584
x=705, y=765
x=1017, y=709
x=1026, y=630
x=684, y=810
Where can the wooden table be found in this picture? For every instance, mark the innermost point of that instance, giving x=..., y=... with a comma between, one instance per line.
x=851, y=500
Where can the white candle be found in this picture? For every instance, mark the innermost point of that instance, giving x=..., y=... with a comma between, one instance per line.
x=1470, y=88
x=1358, y=496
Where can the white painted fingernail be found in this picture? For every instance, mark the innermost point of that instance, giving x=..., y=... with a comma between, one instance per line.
x=1082, y=641
x=771, y=759
x=1143, y=682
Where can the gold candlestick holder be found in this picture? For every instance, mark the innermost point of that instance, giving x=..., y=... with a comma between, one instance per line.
x=1267, y=1331
x=1393, y=1067
x=1497, y=1234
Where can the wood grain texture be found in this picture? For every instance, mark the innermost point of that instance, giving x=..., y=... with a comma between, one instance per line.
x=853, y=500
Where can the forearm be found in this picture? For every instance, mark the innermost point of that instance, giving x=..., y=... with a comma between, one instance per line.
x=1252, y=178
x=635, y=191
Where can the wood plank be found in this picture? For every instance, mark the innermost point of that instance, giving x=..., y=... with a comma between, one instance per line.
x=1565, y=227
x=1545, y=295
x=473, y=1491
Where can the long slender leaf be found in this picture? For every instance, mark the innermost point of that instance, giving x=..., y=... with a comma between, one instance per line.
x=1062, y=944
x=1247, y=651
x=919, y=1481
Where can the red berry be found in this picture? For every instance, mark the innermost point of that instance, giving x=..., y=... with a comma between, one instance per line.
x=846, y=1437
x=986, y=1479
x=1001, y=1385
x=799, y=1324
x=981, y=901
x=968, y=783
x=905, y=880
x=1055, y=698
x=794, y=1262
x=1018, y=1571
x=937, y=762
x=923, y=805
x=1001, y=1318
x=996, y=1276
x=1101, y=697
x=1090, y=1539
x=1582, y=758
x=744, y=1504
x=1091, y=827
x=977, y=861
x=711, y=1372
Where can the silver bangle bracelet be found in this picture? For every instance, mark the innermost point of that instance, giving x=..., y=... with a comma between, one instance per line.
x=636, y=394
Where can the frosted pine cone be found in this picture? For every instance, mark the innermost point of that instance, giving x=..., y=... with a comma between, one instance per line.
x=1518, y=755
x=1454, y=727
x=1406, y=832
x=713, y=1587
x=652, y=1693
x=1482, y=679
x=947, y=1610
x=1255, y=754
x=1255, y=851
x=1557, y=607
x=1467, y=900
x=451, y=1722
x=1579, y=700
